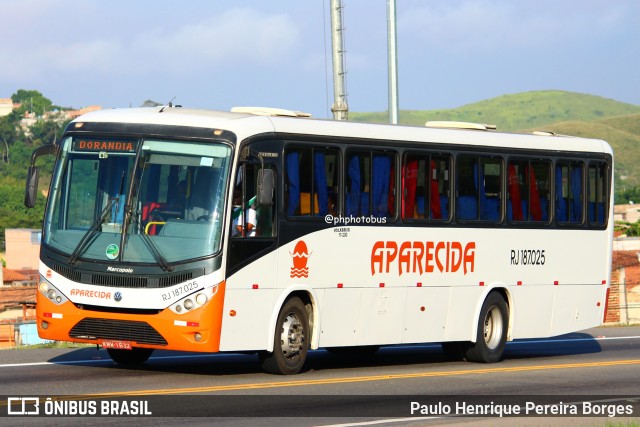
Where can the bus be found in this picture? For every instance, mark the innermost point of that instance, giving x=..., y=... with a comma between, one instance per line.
x=266, y=231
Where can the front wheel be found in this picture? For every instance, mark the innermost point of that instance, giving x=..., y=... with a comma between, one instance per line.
x=290, y=342
x=135, y=356
x=492, y=331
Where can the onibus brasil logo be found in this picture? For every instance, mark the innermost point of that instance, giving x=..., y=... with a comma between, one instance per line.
x=300, y=257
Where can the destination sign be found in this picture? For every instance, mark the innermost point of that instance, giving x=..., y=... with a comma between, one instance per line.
x=93, y=144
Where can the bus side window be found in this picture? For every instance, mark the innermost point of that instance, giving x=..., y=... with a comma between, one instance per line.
x=527, y=190
x=539, y=175
x=370, y=184
x=425, y=187
x=312, y=181
x=466, y=188
x=597, y=193
x=569, y=192
x=479, y=188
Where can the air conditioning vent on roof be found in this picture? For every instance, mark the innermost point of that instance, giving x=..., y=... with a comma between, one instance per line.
x=459, y=125
x=268, y=111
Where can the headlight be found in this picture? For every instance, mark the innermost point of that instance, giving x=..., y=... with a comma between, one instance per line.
x=51, y=292
x=192, y=302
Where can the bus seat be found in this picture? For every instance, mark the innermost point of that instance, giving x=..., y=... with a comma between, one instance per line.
x=561, y=209
x=444, y=206
x=147, y=208
x=544, y=208
x=305, y=203
x=419, y=207
x=523, y=203
x=467, y=207
x=490, y=208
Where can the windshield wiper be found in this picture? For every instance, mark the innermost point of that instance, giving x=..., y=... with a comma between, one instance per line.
x=96, y=224
x=91, y=231
x=153, y=248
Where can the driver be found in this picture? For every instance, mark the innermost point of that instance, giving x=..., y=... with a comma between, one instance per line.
x=239, y=227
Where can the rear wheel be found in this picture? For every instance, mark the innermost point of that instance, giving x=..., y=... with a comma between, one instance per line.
x=290, y=342
x=135, y=356
x=492, y=331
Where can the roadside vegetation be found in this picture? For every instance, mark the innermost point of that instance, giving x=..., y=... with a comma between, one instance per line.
x=557, y=111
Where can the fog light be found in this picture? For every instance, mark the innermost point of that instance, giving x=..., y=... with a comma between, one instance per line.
x=178, y=308
x=58, y=299
x=201, y=299
x=188, y=304
x=44, y=324
x=197, y=336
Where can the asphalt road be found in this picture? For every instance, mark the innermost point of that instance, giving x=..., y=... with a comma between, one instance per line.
x=601, y=365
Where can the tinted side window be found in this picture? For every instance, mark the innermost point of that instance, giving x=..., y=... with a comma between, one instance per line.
x=597, y=181
x=569, y=192
x=425, y=187
x=528, y=190
x=370, y=186
x=478, y=188
x=312, y=181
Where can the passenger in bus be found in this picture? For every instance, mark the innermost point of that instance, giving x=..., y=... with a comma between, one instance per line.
x=239, y=227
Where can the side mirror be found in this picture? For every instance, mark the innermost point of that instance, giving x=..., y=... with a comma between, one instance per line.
x=265, y=186
x=31, y=187
x=33, y=173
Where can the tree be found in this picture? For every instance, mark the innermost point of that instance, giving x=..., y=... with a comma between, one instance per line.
x=150, y=103
x=32, y=101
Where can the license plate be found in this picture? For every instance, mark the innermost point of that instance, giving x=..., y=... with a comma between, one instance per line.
x=118, y=345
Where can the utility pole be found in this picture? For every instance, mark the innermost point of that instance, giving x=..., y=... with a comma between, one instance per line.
x=340, y=108
x=392, y=59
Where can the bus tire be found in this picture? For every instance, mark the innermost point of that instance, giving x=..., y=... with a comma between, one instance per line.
x=290, y=341
x=492, y=329
x=135, y=356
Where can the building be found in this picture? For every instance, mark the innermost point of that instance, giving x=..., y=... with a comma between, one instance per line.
x=6, y=106
x=22, y=248
x=624, y=294
x=626, y=213
x=22, y=254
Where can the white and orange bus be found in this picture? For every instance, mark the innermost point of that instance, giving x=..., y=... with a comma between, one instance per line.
x=263, y=231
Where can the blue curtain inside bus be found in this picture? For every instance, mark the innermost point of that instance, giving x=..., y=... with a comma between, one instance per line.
x=320, y=179
x=293, y=179
x=380, y=185
x=353, y=197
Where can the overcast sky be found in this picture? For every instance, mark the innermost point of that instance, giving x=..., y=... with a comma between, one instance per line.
x=218, y=54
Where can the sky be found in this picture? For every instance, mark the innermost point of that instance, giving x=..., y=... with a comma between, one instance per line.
x=217, y=54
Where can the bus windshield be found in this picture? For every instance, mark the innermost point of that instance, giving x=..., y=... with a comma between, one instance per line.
x=170, y=204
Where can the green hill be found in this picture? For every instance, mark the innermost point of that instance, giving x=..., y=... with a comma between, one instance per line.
x=517, y=111
x=622, y=133
x=557, y=111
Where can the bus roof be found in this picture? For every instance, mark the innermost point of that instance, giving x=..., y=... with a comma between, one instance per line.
x=246, y=124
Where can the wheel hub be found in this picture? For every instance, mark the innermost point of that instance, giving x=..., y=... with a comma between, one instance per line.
x=292, y=336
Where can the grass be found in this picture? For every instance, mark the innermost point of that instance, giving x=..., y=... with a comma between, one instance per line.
x=630, y=423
